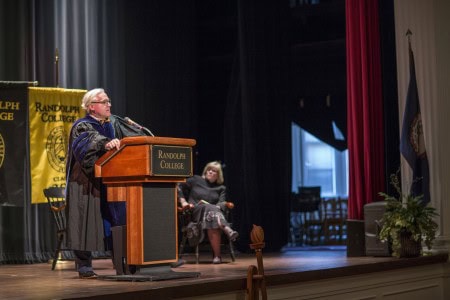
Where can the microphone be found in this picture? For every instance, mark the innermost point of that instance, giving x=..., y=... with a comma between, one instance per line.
x=132, y=123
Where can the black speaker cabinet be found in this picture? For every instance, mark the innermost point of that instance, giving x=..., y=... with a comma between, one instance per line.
x=159, y=222
x=373, y=213
x=355, y=238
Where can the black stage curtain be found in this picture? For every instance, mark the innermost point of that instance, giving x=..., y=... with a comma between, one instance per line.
x=249, y=130
x=257, y=129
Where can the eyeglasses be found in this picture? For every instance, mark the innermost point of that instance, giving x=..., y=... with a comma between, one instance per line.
x=104, y=102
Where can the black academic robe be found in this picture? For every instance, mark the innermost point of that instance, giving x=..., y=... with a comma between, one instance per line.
x=85, y=194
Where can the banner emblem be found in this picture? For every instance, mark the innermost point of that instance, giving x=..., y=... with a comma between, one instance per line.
x=2, y=150
x=416, y=135
x=56, y=148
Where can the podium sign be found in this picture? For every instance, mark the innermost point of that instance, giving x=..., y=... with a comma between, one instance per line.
x=171, y=161
x=145, y=172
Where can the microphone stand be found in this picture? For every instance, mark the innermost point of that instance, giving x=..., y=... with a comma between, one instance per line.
x=147, y=131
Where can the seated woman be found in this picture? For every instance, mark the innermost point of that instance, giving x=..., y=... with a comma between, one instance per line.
x=208, y=196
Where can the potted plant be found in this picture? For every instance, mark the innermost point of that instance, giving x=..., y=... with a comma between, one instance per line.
x=406, y=222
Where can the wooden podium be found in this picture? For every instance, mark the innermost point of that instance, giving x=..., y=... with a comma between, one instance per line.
x=145, y=172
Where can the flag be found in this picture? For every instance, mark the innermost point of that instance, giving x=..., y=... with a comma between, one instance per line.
x=412, y=142
x=51, y=113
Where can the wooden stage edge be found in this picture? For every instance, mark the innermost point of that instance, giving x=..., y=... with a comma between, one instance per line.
x=38, y=281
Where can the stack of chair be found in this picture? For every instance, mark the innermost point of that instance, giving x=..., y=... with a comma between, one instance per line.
x=335, y=216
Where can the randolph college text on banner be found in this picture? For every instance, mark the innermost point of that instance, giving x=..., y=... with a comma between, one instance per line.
x=13, y=156
x=52, y=112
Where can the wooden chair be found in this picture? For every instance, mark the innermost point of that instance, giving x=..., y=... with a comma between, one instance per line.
x=335, y=215
x=57, y=203
x=185, y=217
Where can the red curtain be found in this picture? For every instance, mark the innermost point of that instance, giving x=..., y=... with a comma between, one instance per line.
x=364, y=105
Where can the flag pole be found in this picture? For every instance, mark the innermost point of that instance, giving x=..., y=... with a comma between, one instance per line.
x=56, y=66
x=408, y=35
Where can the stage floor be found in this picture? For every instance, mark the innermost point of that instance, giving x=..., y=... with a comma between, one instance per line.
x=38, y=281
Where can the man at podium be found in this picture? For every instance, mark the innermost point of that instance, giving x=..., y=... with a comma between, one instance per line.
x=87, y=208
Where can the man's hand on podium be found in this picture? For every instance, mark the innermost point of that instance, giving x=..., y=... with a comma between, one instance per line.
x=114, y=143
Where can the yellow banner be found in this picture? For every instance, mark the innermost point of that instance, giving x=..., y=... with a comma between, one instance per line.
x=52, y=112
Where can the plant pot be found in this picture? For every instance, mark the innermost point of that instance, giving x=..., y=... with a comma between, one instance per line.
x=409, y=246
